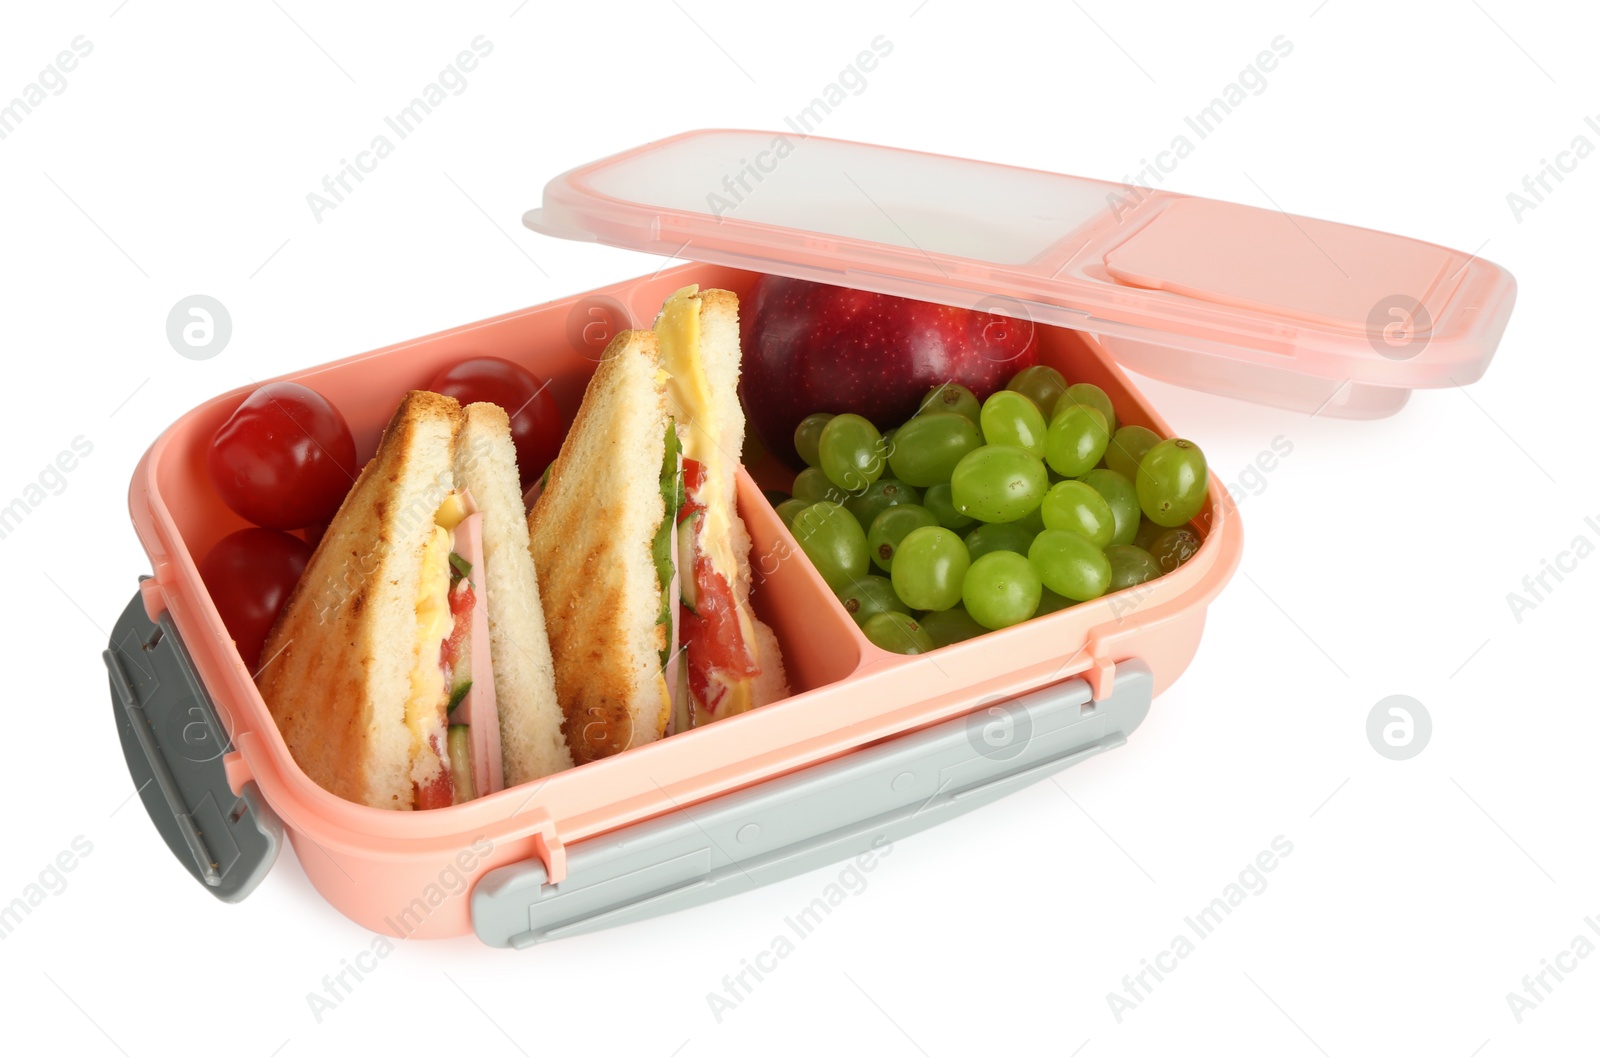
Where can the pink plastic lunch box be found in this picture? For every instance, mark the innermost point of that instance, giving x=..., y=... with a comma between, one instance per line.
x=1247, y=302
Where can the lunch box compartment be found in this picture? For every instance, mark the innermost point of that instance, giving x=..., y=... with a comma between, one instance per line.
x=541, y=340
x=870, y=745
x=1077, y=357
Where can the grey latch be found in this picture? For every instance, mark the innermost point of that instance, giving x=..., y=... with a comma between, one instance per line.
x=175, y=746
x=815, y=817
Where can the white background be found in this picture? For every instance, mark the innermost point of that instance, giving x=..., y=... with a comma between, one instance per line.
x=1378, y=560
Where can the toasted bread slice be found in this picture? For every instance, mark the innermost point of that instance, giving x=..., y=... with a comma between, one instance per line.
x=531, y=742
x=591, y=534
x=338, y=662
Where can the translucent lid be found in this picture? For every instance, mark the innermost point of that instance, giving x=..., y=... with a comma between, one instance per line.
x=1218, y=296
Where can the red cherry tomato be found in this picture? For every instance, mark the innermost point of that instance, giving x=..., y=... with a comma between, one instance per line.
x=285, y=459
x=535, y=419
x=249, y=576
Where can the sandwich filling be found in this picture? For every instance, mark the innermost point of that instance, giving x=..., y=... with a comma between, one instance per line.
x=661, y=552
x=661, y=546
x=720, y=658
x=451, y=712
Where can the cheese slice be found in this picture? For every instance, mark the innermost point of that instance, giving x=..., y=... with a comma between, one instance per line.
x=457, y=527
x=423, y=712
x=689, y=398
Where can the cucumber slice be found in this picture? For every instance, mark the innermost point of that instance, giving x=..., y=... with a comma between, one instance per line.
x=686, y=585
x=460, y=744
x=661, y=545
x=682, y=707
x=459, y=692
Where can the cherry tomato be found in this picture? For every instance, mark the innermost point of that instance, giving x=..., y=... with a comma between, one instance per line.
x=535, y=419
x=285, y=459
x=249, y=576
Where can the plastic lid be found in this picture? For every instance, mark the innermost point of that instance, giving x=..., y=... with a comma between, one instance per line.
x=1229, y=298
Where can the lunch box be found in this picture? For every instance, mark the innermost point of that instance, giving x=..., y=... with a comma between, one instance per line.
x=870, y=746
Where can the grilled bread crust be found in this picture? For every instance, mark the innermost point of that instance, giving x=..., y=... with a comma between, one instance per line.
x=338, y=661
x=591, y=534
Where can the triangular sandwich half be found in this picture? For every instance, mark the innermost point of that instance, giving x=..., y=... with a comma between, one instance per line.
x=730, y=661
x=380, y=668
x=635, y=554
x=601, y=538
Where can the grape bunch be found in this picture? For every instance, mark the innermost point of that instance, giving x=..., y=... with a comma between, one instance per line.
x=972, y=516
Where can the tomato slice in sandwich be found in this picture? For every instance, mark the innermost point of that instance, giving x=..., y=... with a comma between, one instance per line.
x=715, y=633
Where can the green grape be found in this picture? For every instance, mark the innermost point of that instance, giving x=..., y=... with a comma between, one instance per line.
x=937, y=500
x=1001, y=589
x=1089, y=395
x=880, y=496
x=1121, y=497
x=1050, y=602
x=832, y=538
x=1043, y=385
x=790, y=509
x=1011, y=418
x=1174, y=547
x=892, y=526
x=951, y=397
x=1074, y=506
x=1128, y=446
x=951, y=625
x=869, y=596
x=1172, y=482
x=813, y=486
x=897, y=633
x=1148, y=531
x=927, y=448
x=1007, y=536
x=998, y=483
x=808, y=434
x=852, y=452
x=929, y=566
x=1130, y=566
x=1075, y=440
x=1070, y=565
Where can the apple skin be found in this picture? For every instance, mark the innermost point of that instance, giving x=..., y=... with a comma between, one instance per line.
x=809, y=347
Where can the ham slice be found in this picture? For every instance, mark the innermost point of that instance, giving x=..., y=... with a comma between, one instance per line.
x=478, y=708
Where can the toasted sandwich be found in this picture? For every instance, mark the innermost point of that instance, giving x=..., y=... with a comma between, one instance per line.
x=409, y=669
x=730, y=661
x=637, y=541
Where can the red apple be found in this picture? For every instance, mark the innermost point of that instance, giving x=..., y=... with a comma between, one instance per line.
x=809, y=347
